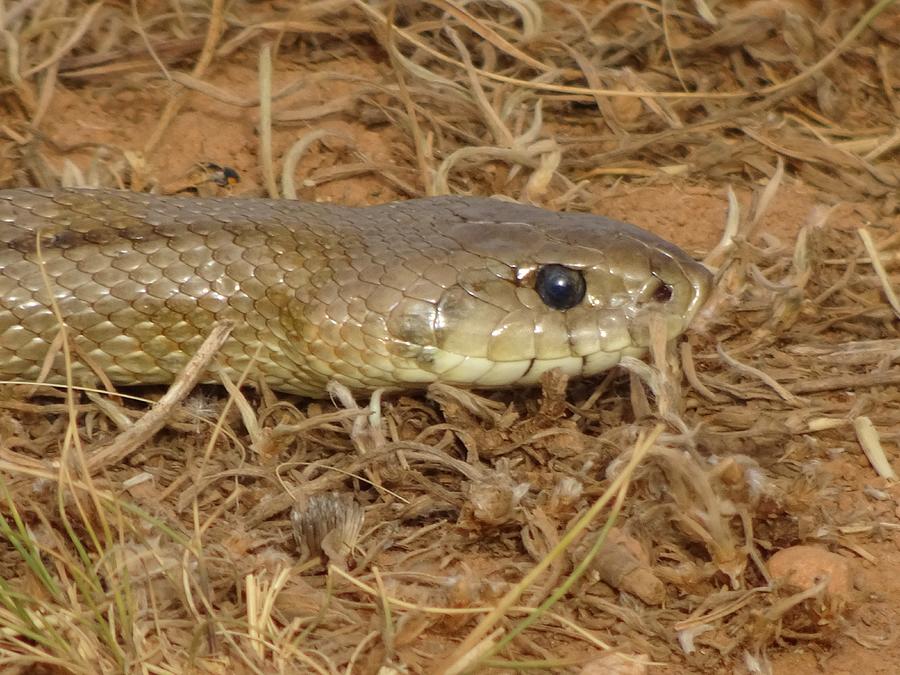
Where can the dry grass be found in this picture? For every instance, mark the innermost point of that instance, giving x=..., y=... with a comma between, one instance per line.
x=530, y=530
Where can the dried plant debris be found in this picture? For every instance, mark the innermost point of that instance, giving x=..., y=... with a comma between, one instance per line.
x=445, y=532
x=327, y=524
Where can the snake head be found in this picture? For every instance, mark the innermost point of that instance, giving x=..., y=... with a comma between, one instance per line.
x=536, y=290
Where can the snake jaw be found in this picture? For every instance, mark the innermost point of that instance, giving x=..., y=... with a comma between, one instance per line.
x=702, y=281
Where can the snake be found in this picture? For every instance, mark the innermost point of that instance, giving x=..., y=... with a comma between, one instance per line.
x=470, y=291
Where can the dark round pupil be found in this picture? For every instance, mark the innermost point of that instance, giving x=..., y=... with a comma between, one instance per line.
x=560, y=287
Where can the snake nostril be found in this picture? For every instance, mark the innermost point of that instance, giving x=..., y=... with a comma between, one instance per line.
x=663, y=292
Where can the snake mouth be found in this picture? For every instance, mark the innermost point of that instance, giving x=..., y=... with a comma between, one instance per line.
x=701, y=280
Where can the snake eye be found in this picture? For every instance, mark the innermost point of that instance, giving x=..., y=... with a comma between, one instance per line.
x=560, y=287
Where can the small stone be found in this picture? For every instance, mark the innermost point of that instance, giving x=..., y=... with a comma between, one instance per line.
x=617, y=664
x=799, y=568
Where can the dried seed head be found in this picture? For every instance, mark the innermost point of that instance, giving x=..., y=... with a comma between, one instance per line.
x=327, y=525
x=201, y=406
x=494, y=501
x=566, y=494
x=624, y=564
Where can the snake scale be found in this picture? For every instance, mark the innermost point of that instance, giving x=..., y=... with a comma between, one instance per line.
x=470, y=291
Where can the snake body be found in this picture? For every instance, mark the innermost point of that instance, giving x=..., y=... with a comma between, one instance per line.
x=395, y=296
